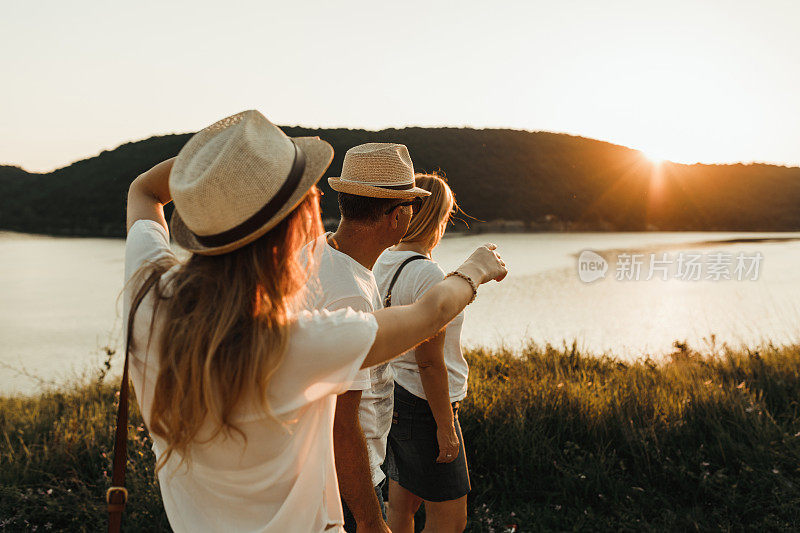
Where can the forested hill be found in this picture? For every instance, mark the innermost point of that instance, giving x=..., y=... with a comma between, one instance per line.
x=533, y=180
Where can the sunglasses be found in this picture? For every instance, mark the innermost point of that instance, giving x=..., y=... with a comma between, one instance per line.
x=415, y=205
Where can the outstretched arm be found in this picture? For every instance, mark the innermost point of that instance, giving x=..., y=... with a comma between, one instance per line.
x=149, y=193
x=400, y=328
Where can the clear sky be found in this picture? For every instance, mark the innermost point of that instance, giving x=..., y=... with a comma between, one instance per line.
x=686, y=80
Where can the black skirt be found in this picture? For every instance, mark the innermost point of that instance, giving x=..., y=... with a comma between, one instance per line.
x=412, y=450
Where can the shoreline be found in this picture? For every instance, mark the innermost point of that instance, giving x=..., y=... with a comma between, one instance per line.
x=106, y=368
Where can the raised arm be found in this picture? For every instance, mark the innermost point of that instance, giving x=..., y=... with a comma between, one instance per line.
x=400, y=328
x=149, y=193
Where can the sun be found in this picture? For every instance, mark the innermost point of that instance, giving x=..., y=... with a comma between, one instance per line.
x=653, y=157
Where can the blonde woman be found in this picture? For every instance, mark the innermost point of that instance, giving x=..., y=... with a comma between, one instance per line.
x=426, y=449
x=237, y=390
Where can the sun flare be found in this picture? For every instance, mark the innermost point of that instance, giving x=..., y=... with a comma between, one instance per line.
x=653, y=157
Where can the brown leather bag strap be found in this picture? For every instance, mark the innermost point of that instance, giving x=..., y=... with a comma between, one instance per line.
x=117, y=494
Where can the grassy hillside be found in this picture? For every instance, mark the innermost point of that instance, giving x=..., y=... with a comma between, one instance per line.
x=556, y=440
x=545, y=180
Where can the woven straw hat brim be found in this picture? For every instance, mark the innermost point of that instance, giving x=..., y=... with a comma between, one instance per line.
x=361, y=189
x=319, y=155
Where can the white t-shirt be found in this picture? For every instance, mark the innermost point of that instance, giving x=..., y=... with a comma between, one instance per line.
x=416, y=278
x=343, y=282
x=284, y=479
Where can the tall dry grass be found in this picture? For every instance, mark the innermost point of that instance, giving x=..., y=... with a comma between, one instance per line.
x=556, y=440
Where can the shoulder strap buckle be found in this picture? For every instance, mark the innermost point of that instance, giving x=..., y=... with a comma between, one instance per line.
x=387, y=302
x=113, y=490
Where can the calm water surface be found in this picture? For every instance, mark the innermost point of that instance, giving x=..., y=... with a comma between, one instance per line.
x=59, y=308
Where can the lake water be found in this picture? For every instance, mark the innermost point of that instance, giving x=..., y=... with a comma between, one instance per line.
x=59, y=308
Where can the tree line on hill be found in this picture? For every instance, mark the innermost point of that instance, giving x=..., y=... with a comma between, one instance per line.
x=502, y=178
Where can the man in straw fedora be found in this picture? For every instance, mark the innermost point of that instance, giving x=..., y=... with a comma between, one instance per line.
x=376, y=193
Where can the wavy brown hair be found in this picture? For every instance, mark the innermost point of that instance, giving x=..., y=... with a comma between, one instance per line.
x=224, y=328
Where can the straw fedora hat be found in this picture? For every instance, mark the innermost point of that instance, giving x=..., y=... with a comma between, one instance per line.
x=235, y=180
x=378, y=170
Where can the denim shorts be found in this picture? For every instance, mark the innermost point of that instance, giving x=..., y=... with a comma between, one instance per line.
x=413, y=448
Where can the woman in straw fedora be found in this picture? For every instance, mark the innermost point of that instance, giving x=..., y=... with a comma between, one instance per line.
x=425, y=456
x=236, y=388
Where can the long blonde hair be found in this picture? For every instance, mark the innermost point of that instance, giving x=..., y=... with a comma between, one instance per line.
x=225, y=328
x=430, y=219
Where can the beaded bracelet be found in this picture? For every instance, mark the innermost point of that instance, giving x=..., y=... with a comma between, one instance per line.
x=469, y=280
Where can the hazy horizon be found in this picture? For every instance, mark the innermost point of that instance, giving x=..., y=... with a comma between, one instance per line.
x=710, y=82
x=111, y=148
